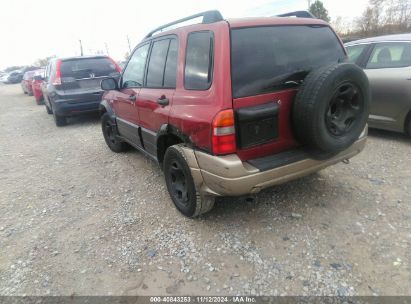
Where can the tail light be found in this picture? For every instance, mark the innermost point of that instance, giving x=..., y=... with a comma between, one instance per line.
x=57, y=77
x=115, y=64
x=223, y=133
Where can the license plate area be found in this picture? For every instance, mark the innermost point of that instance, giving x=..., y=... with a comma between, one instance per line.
x=257, y=125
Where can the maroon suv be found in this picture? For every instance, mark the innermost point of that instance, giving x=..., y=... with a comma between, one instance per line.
x=230, y=107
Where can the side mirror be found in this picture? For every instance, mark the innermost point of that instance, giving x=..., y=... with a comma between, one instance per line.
x=108, y=84
x=38, y=78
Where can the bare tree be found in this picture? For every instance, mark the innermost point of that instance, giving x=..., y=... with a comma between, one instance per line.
x=43, y=61
x=385, y=17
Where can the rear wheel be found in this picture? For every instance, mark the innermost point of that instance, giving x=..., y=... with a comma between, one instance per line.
x=48, y=110
x=408, y=126
x=39, y=101
x=180, y=184
x=109, y=129
x=59, y=120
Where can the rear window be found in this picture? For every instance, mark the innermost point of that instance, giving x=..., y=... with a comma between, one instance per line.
x=88, y=68
x=28, y=75
x=266, y=59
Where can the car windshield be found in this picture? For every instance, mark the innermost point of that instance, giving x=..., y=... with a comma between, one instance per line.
x=266, y=59
x=88, y=68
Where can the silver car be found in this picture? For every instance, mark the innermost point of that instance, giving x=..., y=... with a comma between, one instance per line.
x=387, y=62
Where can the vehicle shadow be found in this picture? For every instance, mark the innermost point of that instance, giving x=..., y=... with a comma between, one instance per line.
x=84, y=119
x=389, y=135
x=282, y=200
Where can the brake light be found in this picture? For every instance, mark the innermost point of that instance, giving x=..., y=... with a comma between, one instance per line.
x=223, y=133
x=57, y=77
x=115, y=64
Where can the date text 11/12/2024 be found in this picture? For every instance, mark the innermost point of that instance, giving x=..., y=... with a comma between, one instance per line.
x=203, y=299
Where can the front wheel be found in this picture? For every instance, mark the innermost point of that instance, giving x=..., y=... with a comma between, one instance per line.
x=108, y=126
x=180, y=184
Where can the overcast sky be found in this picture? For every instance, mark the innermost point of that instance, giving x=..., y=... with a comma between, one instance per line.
x=32, y=29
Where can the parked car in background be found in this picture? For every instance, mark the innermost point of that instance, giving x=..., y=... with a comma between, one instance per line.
x=3, y=77
x=387, y=62
x=26, y=83
x=36, y=85
x=72, y=85
x=230, y=107
x=14, y=77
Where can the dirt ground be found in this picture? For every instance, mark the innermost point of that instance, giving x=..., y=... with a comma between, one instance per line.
x=76, y=218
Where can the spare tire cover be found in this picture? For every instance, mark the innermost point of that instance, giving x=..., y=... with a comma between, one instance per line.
x=331, y=108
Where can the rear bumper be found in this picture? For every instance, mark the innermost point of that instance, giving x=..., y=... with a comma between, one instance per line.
x=63, y=108
x=74, y=103
x=229, y=176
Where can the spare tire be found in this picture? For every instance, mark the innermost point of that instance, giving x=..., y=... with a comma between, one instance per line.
x=331, y=109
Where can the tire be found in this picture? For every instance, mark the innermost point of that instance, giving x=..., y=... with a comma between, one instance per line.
x=48, y=110
x=109, y=129
x=180, y=184
x=408, y=126
x=331, y=109
x=59, y=120
x=39, y=101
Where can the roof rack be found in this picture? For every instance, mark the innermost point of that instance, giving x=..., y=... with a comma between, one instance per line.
x=208, y=17
x=298, y=14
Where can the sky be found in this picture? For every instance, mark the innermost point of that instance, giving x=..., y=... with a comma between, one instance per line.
x=32, y=29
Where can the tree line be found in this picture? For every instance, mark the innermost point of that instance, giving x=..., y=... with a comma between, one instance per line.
x=380, y=17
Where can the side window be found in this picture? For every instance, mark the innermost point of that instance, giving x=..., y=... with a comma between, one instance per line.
x=390, y=55
x=199, y=61
x=158, y=56
x=134, y=73
x=52, y=70
x=47, y=72
x=170, y=72
x=355, y=51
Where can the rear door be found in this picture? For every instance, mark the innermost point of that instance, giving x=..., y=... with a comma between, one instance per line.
x=124, y=100
x=389, y=71
x=268, y=64
x=81, y=78
x=156, y=96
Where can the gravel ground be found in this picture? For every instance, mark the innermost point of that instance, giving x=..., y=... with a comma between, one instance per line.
x=79, y=219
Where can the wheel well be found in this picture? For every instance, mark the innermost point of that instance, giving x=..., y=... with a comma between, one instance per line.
x=407, y=123
x=102, y=110
x=164, y=142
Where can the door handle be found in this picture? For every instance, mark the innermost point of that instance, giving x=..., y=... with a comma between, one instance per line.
x=132, y=98
x=163, y=101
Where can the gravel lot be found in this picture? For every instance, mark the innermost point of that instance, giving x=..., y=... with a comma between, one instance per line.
x=79, y=219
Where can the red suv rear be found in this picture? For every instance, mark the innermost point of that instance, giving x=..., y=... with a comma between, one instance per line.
x=229, y=107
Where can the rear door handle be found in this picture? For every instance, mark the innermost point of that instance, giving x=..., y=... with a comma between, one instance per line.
x=163, y=101
x=132, y=98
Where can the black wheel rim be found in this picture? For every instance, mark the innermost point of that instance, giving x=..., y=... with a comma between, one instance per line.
x=109, y=130
x=344, y=109
x=178, y=183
